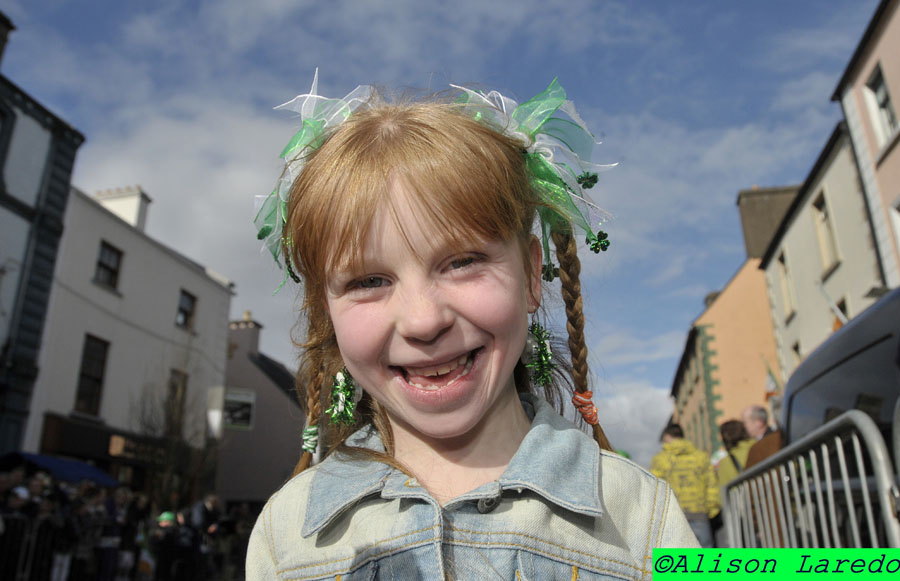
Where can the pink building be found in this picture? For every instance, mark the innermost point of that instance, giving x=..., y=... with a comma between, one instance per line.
x=867, y=92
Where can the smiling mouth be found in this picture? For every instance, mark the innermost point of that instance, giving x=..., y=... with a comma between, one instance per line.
x=439, y=376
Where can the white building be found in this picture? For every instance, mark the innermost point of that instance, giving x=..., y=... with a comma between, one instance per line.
x=821, y=266
x=136, y=334
x=867, y=92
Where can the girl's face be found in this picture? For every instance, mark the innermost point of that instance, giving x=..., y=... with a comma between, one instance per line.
x=431, y=332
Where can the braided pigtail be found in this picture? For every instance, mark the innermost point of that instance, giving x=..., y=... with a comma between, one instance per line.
x=316, y=367
x=314, y=405
x=569, y=271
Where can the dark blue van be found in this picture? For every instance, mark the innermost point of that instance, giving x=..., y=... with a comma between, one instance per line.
x=858, y=367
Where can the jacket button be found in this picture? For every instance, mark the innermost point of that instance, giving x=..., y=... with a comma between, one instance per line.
x=486, y=505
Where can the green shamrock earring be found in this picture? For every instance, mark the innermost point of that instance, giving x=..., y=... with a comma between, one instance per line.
x=343, y=398
x=537, y=356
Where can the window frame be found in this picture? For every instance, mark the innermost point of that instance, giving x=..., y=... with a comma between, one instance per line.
x=7, y=123
x=826, y=237
x=242, y=397
x=787, y=288
x=103, y=270
x=184, y=317
x=796, y=354
x=881, y=108
x=90, y=383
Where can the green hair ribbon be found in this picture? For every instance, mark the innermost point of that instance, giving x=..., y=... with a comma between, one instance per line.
x=311, y=439
x=318, y=115
x=557, y=153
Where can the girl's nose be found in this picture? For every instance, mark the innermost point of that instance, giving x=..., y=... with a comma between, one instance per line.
x=422, y=315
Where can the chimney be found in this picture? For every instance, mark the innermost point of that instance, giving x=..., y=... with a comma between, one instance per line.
x=761, y=211
x=6, y=26
x=244, y=335
x=129, y=203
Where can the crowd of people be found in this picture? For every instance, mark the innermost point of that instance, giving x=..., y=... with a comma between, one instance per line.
x=698, y=479
x=58, y=531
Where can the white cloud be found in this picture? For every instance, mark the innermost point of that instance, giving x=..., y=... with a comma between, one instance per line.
x=691, y=291
x=671, y=270
x=634, y=416
x=831, y=39
x=623, y=347
x=810, y=91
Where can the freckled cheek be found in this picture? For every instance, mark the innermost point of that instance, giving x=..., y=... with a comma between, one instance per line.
x=501, y=317
x=360, y=335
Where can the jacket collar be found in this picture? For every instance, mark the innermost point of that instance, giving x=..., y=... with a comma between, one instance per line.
x=556, y=460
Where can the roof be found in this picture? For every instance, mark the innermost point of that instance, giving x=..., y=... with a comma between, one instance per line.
x=41, y=113
x=278, y=373
x=840, y=130
x=205, y=271
x=757, y=191
x=860, y=48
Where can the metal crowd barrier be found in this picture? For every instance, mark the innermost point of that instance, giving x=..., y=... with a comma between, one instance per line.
x=836, y=487
x=895, y=430
x=26, y=548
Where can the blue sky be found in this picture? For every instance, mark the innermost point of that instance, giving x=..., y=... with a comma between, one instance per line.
x=694, y=100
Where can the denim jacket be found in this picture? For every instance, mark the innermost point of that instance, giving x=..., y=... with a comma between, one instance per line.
x=563, y=509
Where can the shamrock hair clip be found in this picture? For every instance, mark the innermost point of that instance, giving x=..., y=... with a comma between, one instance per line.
x=557, y=153
x=318, y=115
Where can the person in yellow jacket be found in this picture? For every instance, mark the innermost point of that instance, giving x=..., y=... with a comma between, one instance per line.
x=737, y=446
x=693, y=479
x=737, y=443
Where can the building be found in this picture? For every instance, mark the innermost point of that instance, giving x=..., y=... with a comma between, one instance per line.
x=37, y=154
x=821, y=265
x=867, y=92
x=262, y=422
x=136, y=336
x=727, y=359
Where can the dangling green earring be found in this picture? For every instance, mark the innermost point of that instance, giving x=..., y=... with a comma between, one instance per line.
x=343, y=399
x=537, y=356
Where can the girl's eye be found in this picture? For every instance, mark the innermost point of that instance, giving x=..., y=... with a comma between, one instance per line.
x=462, y=262
x=368, y=282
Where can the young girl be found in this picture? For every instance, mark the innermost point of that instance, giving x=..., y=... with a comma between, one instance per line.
x=410, y=227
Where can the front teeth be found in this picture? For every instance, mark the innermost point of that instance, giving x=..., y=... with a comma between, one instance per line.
x=466, y=360
x=443, y=369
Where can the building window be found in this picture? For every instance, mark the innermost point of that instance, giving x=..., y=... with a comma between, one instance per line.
x=184, y=318
x=7, y=120
x=240, y=405
x=840, y=315
x=175, y=398
x=108, y=263
x=90, y=378
x=885, y=120
x=825, y=234
x=787, y=290
x=795, y=352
